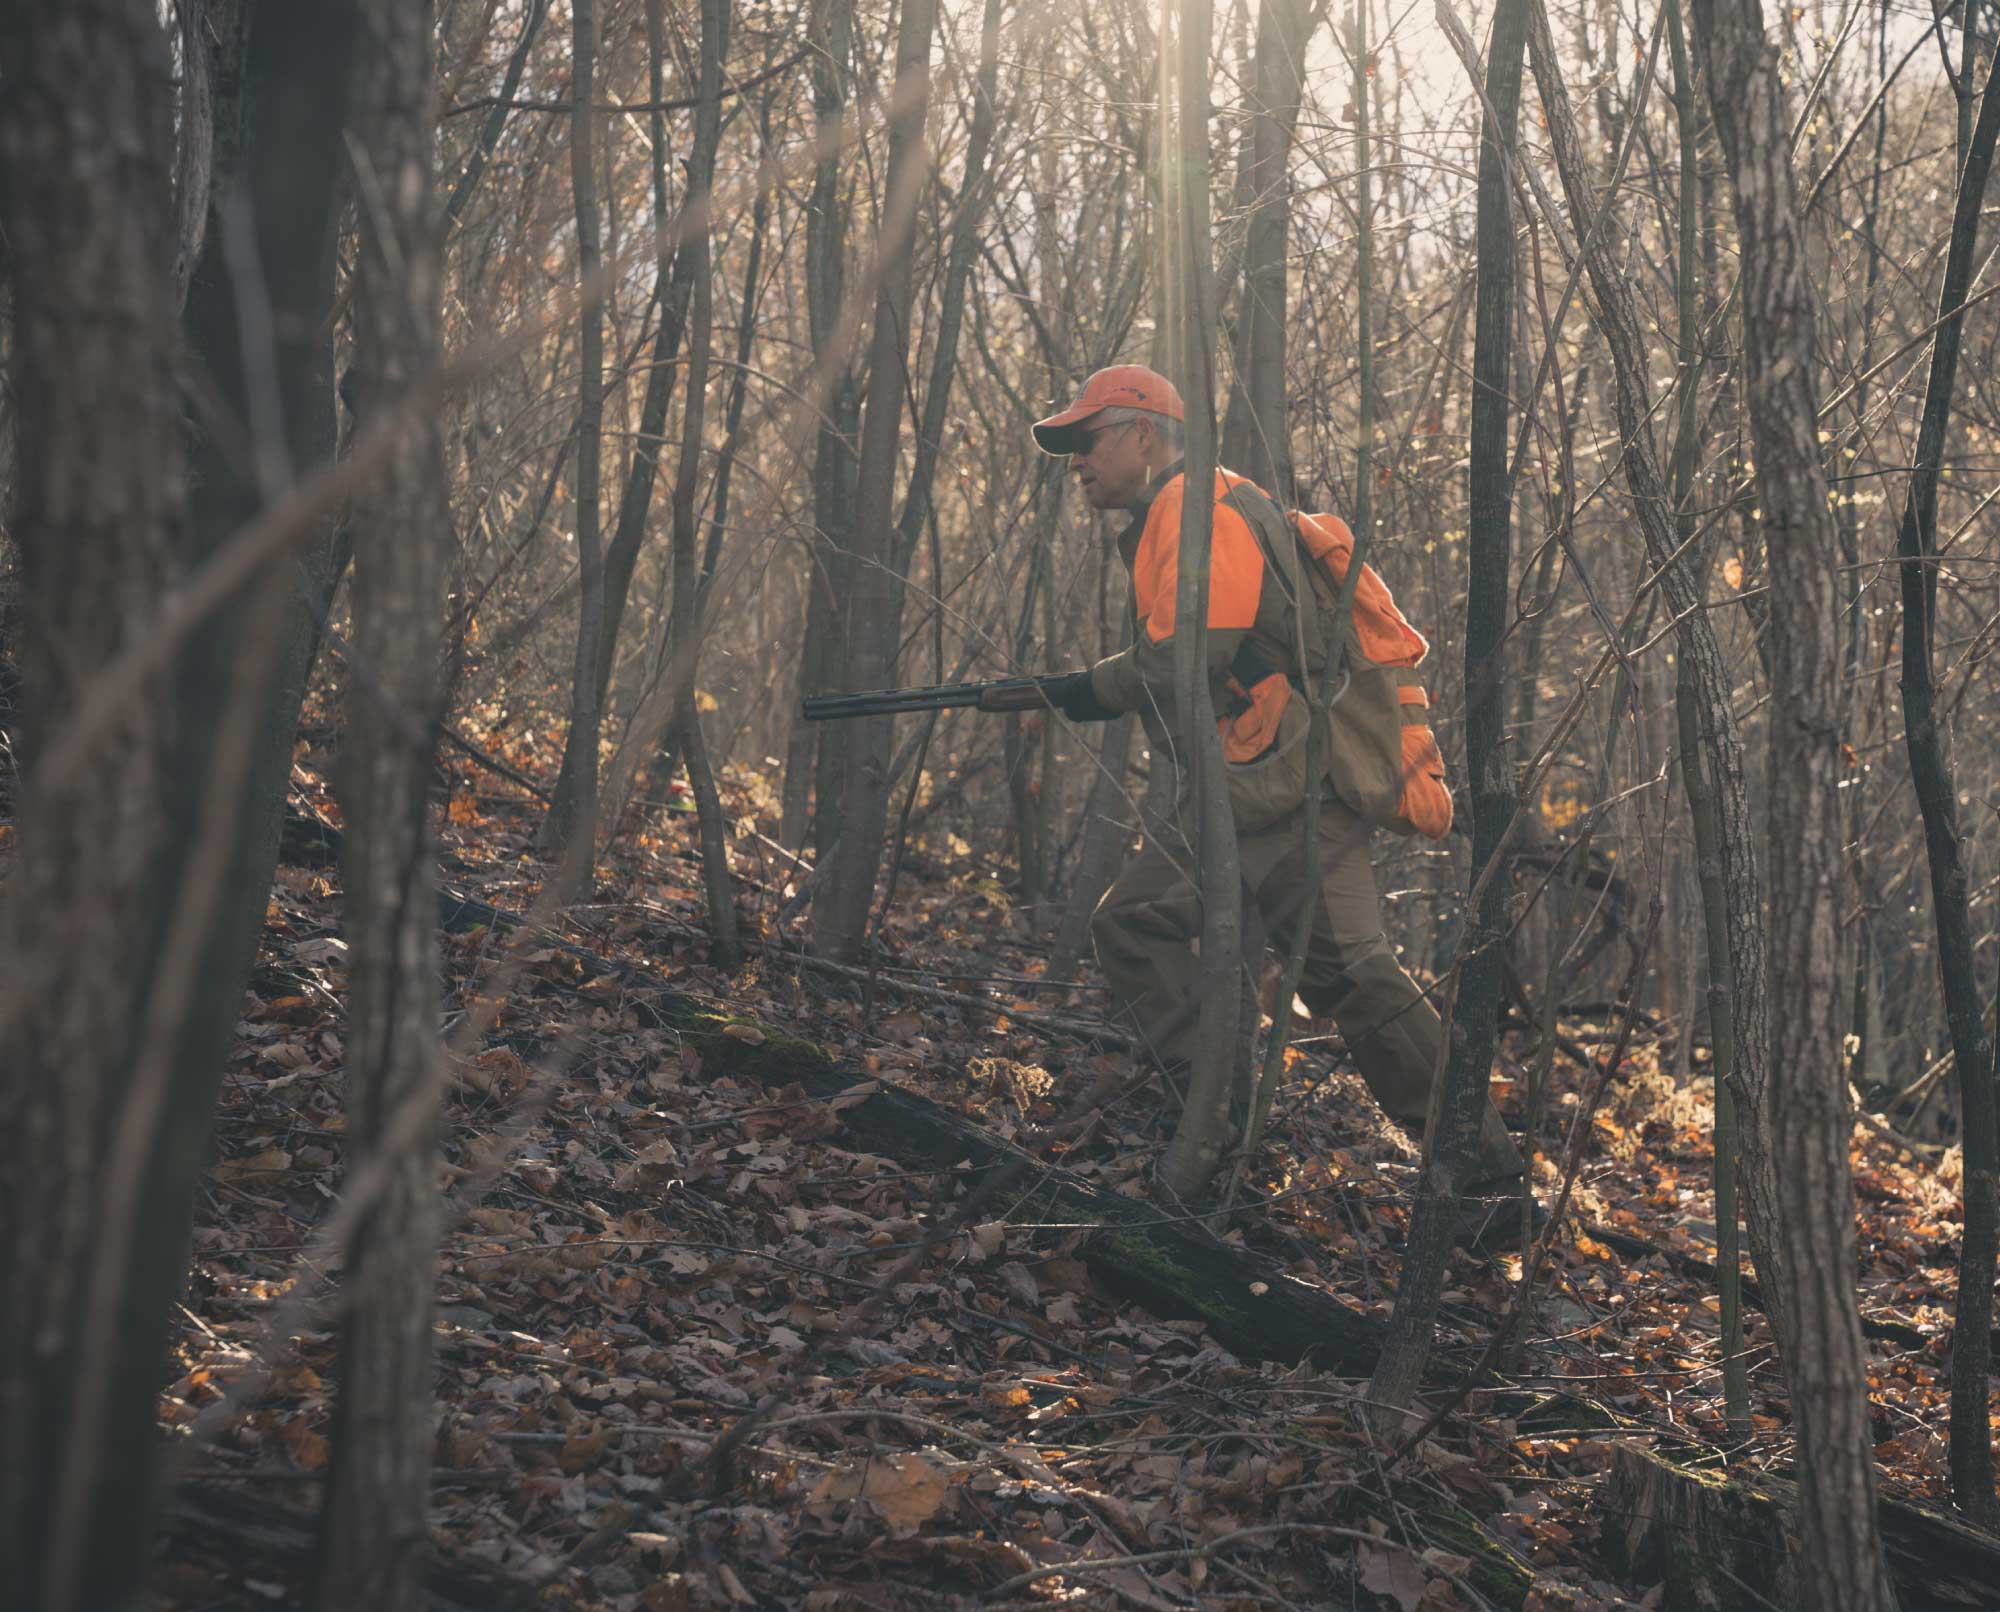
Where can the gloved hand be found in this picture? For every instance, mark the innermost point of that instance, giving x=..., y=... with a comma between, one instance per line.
x=1073, y=695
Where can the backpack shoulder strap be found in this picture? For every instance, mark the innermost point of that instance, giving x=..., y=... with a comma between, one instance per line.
x=1266, y=520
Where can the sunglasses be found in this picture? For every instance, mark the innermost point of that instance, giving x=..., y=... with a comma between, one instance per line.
x=1087, y=441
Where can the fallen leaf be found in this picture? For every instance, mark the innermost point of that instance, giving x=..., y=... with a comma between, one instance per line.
x=907, y=1489
x=585, y=1449
x=1019, y=1282
x=1394, y=1573
x=308, y=1450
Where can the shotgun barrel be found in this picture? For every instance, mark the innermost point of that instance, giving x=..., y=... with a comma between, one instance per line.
x=1001, y=694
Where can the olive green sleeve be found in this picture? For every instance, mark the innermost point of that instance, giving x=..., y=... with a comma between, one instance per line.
x=1144, y=670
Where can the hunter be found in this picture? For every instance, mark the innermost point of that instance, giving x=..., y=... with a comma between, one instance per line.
x=1124, y=438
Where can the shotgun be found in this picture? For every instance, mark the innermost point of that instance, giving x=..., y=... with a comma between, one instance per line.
x=1003, y=694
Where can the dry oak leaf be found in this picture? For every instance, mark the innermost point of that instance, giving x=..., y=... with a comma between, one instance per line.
x=309, y=1450
x=1394, y=1573
x=585, y=1449
x=908, y=1489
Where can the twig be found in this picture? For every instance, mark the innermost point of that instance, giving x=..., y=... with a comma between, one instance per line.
x=494, y=764
x=1087, y=1029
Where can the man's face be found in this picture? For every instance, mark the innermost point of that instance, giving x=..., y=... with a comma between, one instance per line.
x=1111, y=465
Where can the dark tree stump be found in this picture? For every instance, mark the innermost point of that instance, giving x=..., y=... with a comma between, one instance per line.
x=1722, y=1544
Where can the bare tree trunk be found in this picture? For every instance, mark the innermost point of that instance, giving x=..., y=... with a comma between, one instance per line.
x=1937, y=796
x=1196, y=1149
x=85, y=202
x=685, y=631
x=194, y=149
x=974, y=193
x=1702, y=808
x=496, y=119
x=1364, y=301
x=680, y=280
x=1805, y=1095
x=1451, y=1143
x=257, y=322
x=1256, y=434
x=374, y=1533
x=739, y=380
x=569, y=830
x=813, y=754
x=1721, y=739
x=845, y=892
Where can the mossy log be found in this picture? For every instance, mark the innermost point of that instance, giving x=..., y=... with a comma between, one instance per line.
x=1724, y=1544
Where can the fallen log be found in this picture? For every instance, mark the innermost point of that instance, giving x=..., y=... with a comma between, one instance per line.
x=269, y=1542
x=1724, y=1544
x=1172, y=1265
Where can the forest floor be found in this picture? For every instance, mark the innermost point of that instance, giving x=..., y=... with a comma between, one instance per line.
x=638, y=1253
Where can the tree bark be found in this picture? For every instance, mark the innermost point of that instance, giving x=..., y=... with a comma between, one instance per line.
x=1721, y=738
x=1700, y=797
x=973, y=194
x=1732, y=1547
x=374, y=1534
x=1256, y=433
x=496, y=119
x=685, y=629
x=813, y=755
x=739, y=381
x=86, y=206
x=569, y=830
x=844, y=896
x=680, y=281
x=1932, y=771
x=1195, y=1152
x=1804, y=1099
x=1452, y=1141
x=194, y=147
x=256, y=323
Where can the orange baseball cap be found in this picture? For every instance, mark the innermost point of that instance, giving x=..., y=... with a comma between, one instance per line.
x=1123, y=386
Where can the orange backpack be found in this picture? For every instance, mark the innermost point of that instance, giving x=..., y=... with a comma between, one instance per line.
x=1386, y=763
x=1382, y=757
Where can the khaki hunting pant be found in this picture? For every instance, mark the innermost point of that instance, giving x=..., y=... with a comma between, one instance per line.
x=1146, y=923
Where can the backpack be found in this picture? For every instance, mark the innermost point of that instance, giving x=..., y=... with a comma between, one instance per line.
x=1386, y=759
x=1382, y=757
